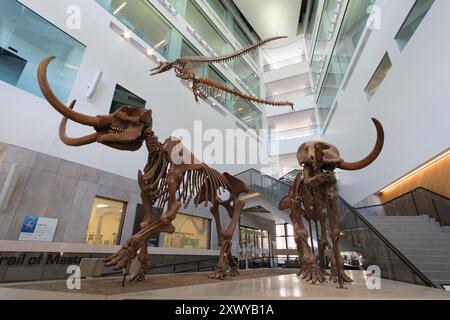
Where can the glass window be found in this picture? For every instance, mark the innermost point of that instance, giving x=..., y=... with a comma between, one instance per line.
x=281, y=231
x=143, y=20
x=290, y=230
x=188, y=50
x=26, y=38
x=412, y=22
x=248, y=113
x=123, y=97
x=291, y=243
x=379, y=75
x=311, y=23
x=219, y=9
x=204, y=26
x=281, y=243
x=323, y=38
x=351, y=30
x=105, y=224
x=246, y=74
x=190, y=232
x=244, y=40
x=195, y=17
x=147, y=23
x=153, y=241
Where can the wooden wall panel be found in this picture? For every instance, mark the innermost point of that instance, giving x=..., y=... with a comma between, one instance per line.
x=435, y=178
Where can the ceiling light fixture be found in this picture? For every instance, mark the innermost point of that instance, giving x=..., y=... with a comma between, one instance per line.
x=120, y=8
x=126, y=35
x=101, y=206
x=160, y=44
x=416, y=171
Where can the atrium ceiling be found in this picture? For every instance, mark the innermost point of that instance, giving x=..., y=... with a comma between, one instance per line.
x=272, y=17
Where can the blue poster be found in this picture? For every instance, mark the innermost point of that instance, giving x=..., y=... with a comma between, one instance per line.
x=29, y=224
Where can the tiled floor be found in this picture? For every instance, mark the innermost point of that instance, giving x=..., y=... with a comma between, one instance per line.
x=277, y=287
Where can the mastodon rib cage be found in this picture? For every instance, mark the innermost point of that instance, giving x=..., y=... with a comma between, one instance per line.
x=212, y=88
x=190, y=62
x=204, y=180
x=193, y=182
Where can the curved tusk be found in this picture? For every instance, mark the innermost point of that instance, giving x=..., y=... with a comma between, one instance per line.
x=55, y=102
x=74, y=142
x=352, y=166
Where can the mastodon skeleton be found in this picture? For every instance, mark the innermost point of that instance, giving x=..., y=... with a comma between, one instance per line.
x=172, y=177
x=313, y=197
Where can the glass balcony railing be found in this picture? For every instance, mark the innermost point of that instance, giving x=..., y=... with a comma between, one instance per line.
x=23, y=45
x=141, y=18
x=327, y=26
x=233, y=26
x=295, y=133
x=285, y=63
x=290, y=95
x=350, y=32
x=202, y=24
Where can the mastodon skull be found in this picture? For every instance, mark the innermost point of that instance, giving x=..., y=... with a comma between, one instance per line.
x=121, y=130
x=322, y=155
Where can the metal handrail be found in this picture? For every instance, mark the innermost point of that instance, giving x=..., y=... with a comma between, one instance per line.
x=285, y=63
x=388, y=243
x=292, y=94
x=401, y=196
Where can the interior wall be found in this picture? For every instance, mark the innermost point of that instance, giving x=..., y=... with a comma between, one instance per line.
x=411, y=103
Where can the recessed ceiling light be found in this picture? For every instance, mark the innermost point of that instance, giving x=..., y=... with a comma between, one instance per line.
x=120, y=8
x=101, y=205
x=160, y=44
x=127, y=35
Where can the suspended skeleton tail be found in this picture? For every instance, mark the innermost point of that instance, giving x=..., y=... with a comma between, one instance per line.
x=209, y=87
x=191, y=61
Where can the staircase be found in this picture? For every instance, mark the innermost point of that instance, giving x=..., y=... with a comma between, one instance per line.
x=420, y=239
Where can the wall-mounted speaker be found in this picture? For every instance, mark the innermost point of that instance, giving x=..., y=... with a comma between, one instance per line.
x=92, y=86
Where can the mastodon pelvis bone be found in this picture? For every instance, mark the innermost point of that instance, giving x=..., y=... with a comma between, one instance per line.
x=313, y=197
x=185, y=67
x=172, y=177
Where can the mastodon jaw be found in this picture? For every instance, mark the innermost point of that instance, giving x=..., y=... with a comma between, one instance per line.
x=351, y=166
x=56, y=103
x=74, y=142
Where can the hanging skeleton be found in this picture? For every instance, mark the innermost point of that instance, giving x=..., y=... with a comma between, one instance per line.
x=185, y=68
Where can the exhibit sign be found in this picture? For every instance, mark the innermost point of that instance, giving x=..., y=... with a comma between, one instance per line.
x=38, y=229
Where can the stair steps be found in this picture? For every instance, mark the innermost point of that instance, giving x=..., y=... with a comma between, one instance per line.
x=422, y=240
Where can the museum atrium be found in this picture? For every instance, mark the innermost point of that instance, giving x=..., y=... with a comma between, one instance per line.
x=200, y=159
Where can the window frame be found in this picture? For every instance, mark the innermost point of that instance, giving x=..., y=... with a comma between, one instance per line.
x=121, y=223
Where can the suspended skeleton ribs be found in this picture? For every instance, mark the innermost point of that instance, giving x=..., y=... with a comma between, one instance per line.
x=185, y=68
x=206, y=87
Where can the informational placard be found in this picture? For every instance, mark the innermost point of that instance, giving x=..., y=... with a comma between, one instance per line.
x=38, y=229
